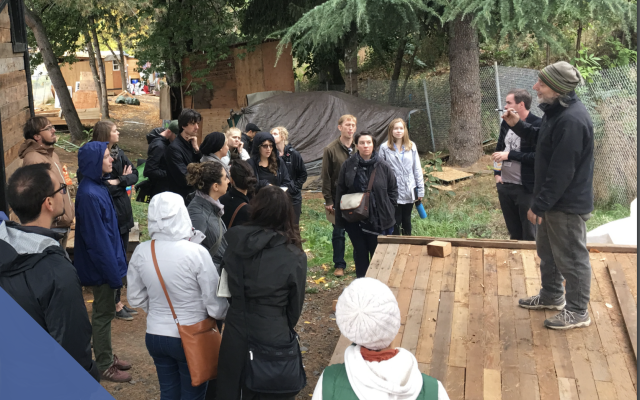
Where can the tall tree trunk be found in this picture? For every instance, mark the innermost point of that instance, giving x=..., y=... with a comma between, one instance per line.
x=579, y=38
x=410, y=69
x=548, y=54
x=104, y=106
x=397, y=67
x=336, y=75
x=465, y=135
x=174, y=80
x=101, y=70
x=57, y=80
x=123, y=62
x=351, y=60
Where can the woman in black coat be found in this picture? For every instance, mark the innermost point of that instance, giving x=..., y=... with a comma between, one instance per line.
x=354, y=178
x=268, y=168
x=236, y=200
x=267, y=255
x=295, y=167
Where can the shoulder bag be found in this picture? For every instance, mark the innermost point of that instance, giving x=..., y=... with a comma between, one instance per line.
x=233, y=217
x=355, y=206
x=200, y=341
x=268, y=368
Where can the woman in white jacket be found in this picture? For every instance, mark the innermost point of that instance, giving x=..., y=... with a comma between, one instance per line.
x=367, y=314
x=402, y=154
x=191, y=280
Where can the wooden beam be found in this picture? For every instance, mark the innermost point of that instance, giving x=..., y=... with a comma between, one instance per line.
x=627, y=303
x=499, y=244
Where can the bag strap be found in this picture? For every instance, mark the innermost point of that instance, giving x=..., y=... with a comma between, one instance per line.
x=155, y=264
x=233, y=217
x=371, y=178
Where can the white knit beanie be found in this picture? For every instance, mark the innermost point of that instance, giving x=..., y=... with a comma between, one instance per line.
x=367, y=313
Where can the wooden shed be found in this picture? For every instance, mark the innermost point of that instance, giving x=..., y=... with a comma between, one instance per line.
x=461, y=320
x=16, y=101
x=71, y=72
x=242, y=73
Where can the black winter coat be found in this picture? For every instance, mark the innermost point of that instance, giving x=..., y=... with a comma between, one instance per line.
x=231, y=201
x=282, y=177
x=46, y=285
x=121, y=200
x=248, y=142
x=275, y=275
x=297, y=172
x=384, y=193
x=178, y=155
x=564, y=158
x=526, y=156
x=155, y=168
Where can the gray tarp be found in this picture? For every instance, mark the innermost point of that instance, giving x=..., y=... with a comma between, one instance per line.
x=312, y=118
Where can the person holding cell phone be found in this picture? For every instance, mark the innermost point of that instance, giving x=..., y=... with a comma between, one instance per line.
x=268, y=167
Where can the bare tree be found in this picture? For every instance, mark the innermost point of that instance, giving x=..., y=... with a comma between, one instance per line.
x=100, y=64
x=104, y=105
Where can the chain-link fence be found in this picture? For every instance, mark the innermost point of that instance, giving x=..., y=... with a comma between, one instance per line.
x=610, y=98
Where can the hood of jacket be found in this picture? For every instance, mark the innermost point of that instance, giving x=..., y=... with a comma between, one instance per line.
x=90, y=158
x=396, y=378
x=31, y=145
x=260, y=138
x=22, y=247
x=156, y=134
x=249, y=240
x=168, y=218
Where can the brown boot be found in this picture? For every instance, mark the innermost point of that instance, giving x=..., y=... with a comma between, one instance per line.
x=338, y=272
x=113, y=374
x=121, y=364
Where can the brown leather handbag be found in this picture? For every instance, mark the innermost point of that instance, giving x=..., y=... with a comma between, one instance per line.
x=201, y=341
x=355, y=206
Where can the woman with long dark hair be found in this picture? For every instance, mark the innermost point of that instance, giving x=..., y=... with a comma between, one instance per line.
x=356, y=176
x=268, y=167
x=267, y=272
x=123, y=174
x=236, y=200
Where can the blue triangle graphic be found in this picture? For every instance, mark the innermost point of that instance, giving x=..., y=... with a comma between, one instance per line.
x=33, y=366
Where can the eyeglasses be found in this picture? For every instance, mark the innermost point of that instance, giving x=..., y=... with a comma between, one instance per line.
x=266, y=146
x=63, y=189
x=47, y=128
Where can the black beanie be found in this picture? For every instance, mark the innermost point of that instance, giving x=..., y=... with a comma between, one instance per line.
x=212, y=143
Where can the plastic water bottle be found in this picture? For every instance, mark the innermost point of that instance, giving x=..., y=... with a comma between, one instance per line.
x=421, y=211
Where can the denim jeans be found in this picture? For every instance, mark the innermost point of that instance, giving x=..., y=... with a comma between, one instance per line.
x=171, y=366
x=562, y=248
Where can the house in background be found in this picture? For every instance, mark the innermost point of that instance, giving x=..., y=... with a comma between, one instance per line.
x=71, y=72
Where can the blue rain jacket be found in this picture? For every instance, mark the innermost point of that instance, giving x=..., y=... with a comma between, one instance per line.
x=99, y=255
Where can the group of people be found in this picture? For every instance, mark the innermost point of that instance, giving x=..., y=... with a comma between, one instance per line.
x=224, y=228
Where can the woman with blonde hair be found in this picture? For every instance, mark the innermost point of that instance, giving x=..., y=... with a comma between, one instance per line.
x=402, y=154
x=236, y=147
x=295, y=167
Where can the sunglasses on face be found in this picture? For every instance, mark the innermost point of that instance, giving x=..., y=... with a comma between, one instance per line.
x=266, y=146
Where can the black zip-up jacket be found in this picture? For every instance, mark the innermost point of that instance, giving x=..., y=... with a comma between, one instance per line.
x=527, y=154
x=248, y=143
x=178, y=155
x=282, y=177
x=121, y=200
x=231, y=201
x=383, y=197
x=297, y=172
x=36, y=273
x=155, y=168
x=564, y=158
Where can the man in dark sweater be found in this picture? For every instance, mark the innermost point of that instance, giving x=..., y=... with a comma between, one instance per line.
x=155, y=168
x=514, y=180
x=183, y=151
x=563, y=195
x=247, y=138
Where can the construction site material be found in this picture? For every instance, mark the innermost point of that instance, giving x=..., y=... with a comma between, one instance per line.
x=449, y=174
x=83, y=99
x=460, y=318
x=439, y=249
x=626, y=302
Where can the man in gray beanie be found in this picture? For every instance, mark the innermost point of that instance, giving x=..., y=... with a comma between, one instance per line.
x=563, y=195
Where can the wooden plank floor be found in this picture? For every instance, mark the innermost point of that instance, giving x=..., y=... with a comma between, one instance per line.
x=461, y=320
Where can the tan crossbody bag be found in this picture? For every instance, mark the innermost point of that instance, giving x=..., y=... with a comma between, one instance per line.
x=355, y=206
x=200, y=341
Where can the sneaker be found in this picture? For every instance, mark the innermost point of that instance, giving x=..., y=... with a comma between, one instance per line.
x=123, y=314
x=338, y=272
x=130, y=310
x=113, y=374
x=535, y=303
x=121, y=364
x=568, y=320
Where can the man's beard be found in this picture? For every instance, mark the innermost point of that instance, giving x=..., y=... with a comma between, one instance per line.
x=48, y=143
x=546, y=100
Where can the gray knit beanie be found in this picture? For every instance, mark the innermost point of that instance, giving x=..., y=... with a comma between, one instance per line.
x=562, y=77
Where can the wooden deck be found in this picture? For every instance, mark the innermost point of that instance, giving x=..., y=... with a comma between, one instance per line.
x=461, y=320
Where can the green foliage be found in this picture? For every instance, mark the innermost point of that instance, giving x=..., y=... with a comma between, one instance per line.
x=588, y=64
x=620, y=55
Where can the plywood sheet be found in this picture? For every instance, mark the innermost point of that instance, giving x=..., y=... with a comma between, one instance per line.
x=280, y=76
x=249, y=73
x=449, y=174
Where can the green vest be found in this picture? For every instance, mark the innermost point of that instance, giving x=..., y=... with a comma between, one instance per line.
x=335, y=385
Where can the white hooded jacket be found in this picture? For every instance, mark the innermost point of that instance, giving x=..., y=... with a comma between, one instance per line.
x=189, y=274
x=395, y=379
